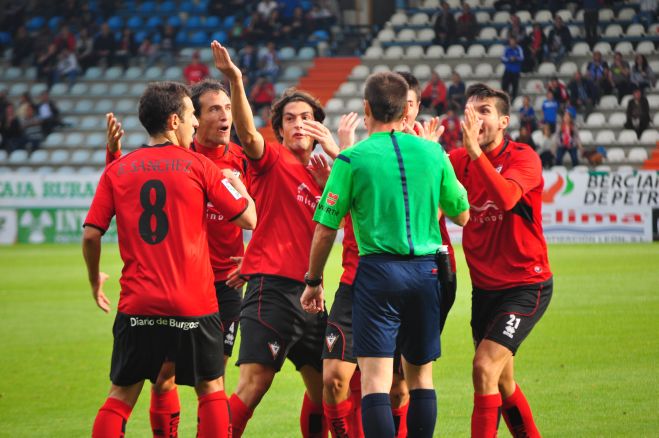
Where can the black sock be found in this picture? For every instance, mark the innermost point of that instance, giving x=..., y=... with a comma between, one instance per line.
x=376, y=416
x=422, y=413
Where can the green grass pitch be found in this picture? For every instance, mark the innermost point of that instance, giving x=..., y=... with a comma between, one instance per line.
x=589, y=369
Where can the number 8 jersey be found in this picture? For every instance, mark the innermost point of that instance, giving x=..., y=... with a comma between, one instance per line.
x=159, y=195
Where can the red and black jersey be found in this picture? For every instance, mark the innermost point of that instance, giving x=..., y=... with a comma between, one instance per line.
x=285, y=195
x=504, y=249
x=159, y=195
x=350, y=256
x=225, y=240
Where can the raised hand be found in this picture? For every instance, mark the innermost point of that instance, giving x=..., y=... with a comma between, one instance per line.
x=114, y=133
x=322, y=135
x=234, y=279
x=346, y=132
x=223, y=61
x=319, y=169
x=471, y=126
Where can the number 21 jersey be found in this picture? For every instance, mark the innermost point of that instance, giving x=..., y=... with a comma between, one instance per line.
x=159, y=195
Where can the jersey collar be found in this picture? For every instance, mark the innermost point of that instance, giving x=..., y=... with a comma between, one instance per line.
x=217, y=152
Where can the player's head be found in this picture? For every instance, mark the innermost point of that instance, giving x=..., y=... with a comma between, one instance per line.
x=166, y=109
x=413, y=96
x=212, y=107
x=493, y=108
x=385, y=94
x=288, y=112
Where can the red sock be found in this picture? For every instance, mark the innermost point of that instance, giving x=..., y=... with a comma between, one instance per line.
x=485, y=417
x=518, y=416
x=339, y=418
x=356, y=397
x=165, y=413
x=213, y=416
x=111, y=419
x=240, y=415
x=400, y=420
x=312, y=420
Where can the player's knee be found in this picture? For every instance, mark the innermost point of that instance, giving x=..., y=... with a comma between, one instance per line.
x=482, y=369
x=335, y=383
x=164, y=385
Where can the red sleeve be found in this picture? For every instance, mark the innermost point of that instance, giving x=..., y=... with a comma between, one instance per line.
x=221, y=193
x=102, y=209
x=110, y=156
x=271, y=152
x=525, y=170
x=504, y=192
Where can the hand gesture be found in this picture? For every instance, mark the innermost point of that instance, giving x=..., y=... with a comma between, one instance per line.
x=234, y=279
x=322, y=135
x=99, y=296
x=346, y=132
x=319, y=169
x=471, y=127
x=224, y=63
x=312, y=299
x=114, y=133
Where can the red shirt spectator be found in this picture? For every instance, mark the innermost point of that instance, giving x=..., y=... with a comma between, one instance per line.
x=195, y=71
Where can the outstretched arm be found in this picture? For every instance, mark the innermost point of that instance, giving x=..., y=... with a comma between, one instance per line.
x=243, y=119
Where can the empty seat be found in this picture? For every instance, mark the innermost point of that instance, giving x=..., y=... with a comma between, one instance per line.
x=113, y=73
x=543, y=16
x=18, y=157
x=65, y=170
x=118, y=89
x=95, y=140
x=399, y=19
x=59, y=156
x=580, y=168
x=617, y=119
x=74, y=140
x=443, y=70
x=608, y=102
x=568, y=68
x=133, y=73
x=476, y=51
x=595, y=120
x=126, y=106
x=98, y=157
x=627, y=137
x=18, y=89
x=103, y=106
x=173, y=74
x=59, y=90
x=626, y=14
x=98, y=89
x=54, y=140
x=360, y=72
x=635, y=30
x=38, y=157
x=136, y=140
x=422, y=71
x=93, y=73
x=603, y=47
x=393, y=52
x=615, y=155
x=292, y=73
x=637, y=155
x=354, y=104
x=501, y=17
x=347, y=89
x=402, y=68
x=306, y=53
x=649, y=136
x=44, y=170
x=482, y=17
x=463, y=70
x=87, y=170
x=380, y=68
x=373, y=52
x=435, y=51
x=414, y=52
x=488, y=33
x=547, y=69
x=586, y=136
x=153, y=73
x=645, y=48
x=386, y=35
x=137, y=89
x=419, y=19
x=625, y=48
x=80, y=157
x=426, y=35
x=496, y=50
x=484, y=70
x=455, y=51
x=606, y=14
x=605, y=137
x=336, y=105
x=653, y=101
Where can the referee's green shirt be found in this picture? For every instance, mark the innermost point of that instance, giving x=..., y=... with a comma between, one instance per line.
x=393, y=185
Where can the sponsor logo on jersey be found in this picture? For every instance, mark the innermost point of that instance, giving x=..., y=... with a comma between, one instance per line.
x=306, y=197
x=332, y=198
x=330, y=340
x=274, y=348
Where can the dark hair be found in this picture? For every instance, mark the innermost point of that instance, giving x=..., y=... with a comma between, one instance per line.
x=412, y=83
x=159, y=101
x=203, y=87
x=386, y=93
x=293, y=95
x=482, y=91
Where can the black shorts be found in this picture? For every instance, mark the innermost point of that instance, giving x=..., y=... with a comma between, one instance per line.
x=274, y=326
x=445, y=304
x=507, y=316
x=229, y=301
x=338, y=334
x=143, y=343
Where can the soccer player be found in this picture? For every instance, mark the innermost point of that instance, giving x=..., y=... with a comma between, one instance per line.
x=273, y=324
x=168, y=321
x=506, y=254
x=382, y=181
x=226, y=246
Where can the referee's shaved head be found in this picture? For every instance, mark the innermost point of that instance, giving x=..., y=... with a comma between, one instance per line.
x=386, y=94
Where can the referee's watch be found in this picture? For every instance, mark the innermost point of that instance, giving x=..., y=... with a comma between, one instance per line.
x=313, y=282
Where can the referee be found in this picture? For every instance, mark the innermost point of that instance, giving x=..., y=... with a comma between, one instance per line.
x=393, y=185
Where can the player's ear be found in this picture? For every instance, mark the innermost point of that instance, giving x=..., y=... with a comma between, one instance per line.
x=504, y=121
x=367, y=108
x=173, y=122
